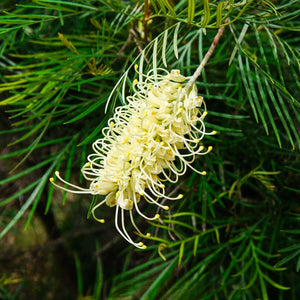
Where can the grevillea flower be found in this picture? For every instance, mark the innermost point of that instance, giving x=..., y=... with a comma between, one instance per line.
x=149, y=141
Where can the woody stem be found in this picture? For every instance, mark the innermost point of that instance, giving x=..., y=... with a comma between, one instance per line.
x=204, y=61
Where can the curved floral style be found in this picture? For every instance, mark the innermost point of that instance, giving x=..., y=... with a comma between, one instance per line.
x=149, y=141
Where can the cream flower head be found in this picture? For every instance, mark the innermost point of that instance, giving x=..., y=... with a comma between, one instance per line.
x=142, y=147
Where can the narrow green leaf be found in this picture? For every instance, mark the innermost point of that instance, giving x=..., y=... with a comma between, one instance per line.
x=206, y=13
x=288, y=258
x=165, y=40
x=275, y=284
x=59, y=8
x=280, y=112
x=37, y=197
x=263, y=288
x=287, y=116
x=96, y=133
x=33, y=197
x=191, y=11
x=32, y=131
x=175, y=40
x=266, y=105
x=158, y=284
x=167, y=4
x=265, y=254
x=251, y=281
x=290, y=248
x=27, y=171
x=219, y=13
x=255, y=97
x=79, y=276
x=269, y=267
x=76, y=4
x=247, y=87
x=244, y=269
x=292, y=231
x=69, y=164
x=39, y=145
x=20, y=193
x=87, y=111
x=141, y=66
x=180, y=255
x=196, y=245
x=154, y=58
x=33, y=145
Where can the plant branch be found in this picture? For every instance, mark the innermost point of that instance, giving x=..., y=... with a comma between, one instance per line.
x=204, y=61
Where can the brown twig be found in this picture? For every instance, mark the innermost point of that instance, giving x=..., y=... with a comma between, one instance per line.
x=204, y=61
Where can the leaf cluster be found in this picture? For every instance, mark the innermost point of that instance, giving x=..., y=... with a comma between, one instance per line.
x=65, y=66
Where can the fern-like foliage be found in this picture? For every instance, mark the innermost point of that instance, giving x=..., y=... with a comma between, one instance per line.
x=66, y=65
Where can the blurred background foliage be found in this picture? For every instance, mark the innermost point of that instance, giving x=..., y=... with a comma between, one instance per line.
x=235, y=234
